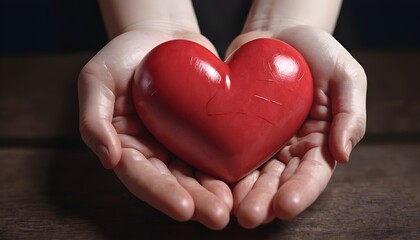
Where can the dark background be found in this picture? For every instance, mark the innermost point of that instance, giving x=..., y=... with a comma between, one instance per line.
x=51, y=26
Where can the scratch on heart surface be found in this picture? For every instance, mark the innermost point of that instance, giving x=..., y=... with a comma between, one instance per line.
x=267, y=80
x=265, y=119
x=211, y=113
x=266, y=99
x=212, y=100
x=303, y=74
x=208, y=110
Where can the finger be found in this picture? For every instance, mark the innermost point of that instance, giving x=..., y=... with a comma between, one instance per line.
x=242, y=188
x=289, y=170
x=154, y=185
x=217, y=187
x=312, y=140
x=321, y=106
x=96, y=104
x=349, y=109
x=285, y=155
x=126, y=120
x=314, y=126
x=256, y=207
x=147, y=146
x=129, y=125
x=306, y=184
x=209, y=209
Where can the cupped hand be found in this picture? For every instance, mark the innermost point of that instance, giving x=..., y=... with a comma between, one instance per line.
x=298, y=174
x=110, y=127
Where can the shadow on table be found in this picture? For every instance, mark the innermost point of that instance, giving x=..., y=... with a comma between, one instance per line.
x=83, y=190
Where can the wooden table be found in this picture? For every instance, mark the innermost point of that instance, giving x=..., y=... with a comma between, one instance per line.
x=53, y=187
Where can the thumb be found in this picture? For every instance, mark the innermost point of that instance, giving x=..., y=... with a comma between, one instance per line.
x=348, y=94
x=96, y=107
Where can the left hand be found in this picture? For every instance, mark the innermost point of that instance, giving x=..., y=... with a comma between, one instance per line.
x=111, y=128
x=298, y=174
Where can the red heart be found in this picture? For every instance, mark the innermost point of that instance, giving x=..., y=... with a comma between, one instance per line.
x=225, y=119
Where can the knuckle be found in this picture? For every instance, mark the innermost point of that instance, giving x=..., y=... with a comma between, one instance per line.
x=360, y=129
x=85, y=129
x=89, y=71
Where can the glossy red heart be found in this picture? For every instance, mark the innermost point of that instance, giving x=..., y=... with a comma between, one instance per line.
x=224, y=118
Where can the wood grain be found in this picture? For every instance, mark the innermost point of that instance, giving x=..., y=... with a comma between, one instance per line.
x=63, y=194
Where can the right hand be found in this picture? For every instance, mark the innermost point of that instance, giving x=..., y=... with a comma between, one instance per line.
x=299, y=173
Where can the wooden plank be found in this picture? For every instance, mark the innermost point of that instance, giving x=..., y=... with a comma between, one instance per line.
x=38, y=97
x=63, y=194
x=393, y=101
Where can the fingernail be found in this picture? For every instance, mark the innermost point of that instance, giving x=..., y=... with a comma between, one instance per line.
x=103, y=154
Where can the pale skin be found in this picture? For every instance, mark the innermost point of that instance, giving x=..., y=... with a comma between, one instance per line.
x=283, y=187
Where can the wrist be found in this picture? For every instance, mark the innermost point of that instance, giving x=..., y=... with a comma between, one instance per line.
x=168, y=27
x=164, y=16
x=270, y=24
x=277, y=15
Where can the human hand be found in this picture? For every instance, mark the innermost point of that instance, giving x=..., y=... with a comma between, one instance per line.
x=110, y=127
x=297, y=175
